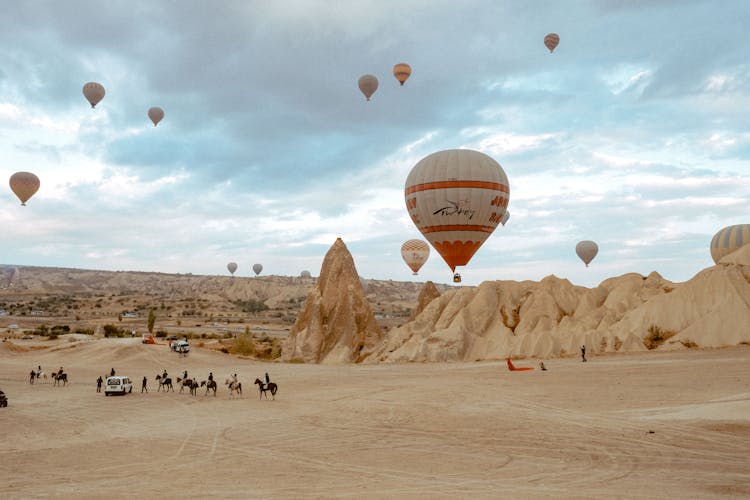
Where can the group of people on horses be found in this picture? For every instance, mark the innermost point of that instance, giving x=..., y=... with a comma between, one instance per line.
x=38, y=373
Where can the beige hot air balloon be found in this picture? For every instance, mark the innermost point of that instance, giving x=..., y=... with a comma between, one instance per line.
x=728, y=240
x=232, y=267
x=456, y=198
x=551, y=41
x=505, y=218
x=415, y=254
x=24, y=184
x=257, y=268
x=402, y=71
x=93, y=92
x=368, y=84
x=156, y=114
x=586, y=251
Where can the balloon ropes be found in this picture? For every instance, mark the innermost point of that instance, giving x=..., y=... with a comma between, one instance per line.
x=457, y=198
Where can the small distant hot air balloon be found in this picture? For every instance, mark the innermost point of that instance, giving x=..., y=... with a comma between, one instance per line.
x=24, y=184
x=505, y=218
x=551, y=41
x=93, y=92
x=456, y=198
x=156, y=114
x=586, y=251
x=368, y=84
x=728, y=240
x=232, y=267
x=402, y=71
x=257, y=268
x=305, y=274
x=415, y=254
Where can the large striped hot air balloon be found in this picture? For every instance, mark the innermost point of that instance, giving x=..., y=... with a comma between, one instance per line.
x=368, y=84
x=24, y=185
x=728, y=240
x=415, y=254
x=586, y=251
x=551, y=41
x=456, y=198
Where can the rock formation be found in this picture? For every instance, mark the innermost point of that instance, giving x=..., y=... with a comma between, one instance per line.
x=336, y=324
x=554, y=317
x=428, y=293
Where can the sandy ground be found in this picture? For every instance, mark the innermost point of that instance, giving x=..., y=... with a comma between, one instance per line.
x=463, y=430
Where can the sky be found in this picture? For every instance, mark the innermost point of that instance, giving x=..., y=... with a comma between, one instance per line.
x=633, y=133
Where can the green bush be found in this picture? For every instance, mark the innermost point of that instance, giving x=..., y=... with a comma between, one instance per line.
x=111, y=330
x=656, y=337
x=244, y=345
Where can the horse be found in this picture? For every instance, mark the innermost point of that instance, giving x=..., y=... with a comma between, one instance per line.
x=263, y=388
x=165, y=382
x=57, y=377
x=234, y=385
x=210, y=385
x=187, y=382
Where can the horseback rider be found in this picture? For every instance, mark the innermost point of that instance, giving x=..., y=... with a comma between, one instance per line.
x=60, y=371
x=268, y=380
x=39, y=371
x=210, y=376
x=164, y=375
x=184, y=375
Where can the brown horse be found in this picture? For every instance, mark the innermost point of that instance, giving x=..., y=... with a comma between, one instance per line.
x=263, y=388
x=60, y=377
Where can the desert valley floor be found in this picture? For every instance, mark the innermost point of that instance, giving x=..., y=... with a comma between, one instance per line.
x=647, y=425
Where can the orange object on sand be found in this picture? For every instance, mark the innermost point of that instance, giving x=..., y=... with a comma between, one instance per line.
x=514, y=368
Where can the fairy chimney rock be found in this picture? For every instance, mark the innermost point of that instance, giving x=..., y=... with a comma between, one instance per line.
x=428, y=293
x=336, y=324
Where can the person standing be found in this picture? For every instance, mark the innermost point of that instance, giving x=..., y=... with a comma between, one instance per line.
x=112, y=372
x=99, y=384
x=583, y=353
x=143, y=386
x=31, y=377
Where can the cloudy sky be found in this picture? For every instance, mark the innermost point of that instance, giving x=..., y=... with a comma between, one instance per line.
x=634, y=133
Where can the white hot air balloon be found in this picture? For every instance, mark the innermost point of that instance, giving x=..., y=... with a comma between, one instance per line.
x=728, y=240
x=586, y=251
x=93, y=92
x=456, y=198
x=415, y=254
x=156, y=114
x=232, y=267
x=257, y=268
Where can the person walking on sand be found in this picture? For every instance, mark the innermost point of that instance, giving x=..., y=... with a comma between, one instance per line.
x=583, y=353
x=143, y=386
x=99, y=384
x=31, y=377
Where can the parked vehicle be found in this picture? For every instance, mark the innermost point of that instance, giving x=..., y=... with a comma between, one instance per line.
x=181, y=346
x=118, y=385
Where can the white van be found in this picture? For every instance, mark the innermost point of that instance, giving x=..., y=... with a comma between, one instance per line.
x=181, y=346
x=118, y=385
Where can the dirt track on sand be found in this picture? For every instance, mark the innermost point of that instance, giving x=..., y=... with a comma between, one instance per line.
x=463, y=430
